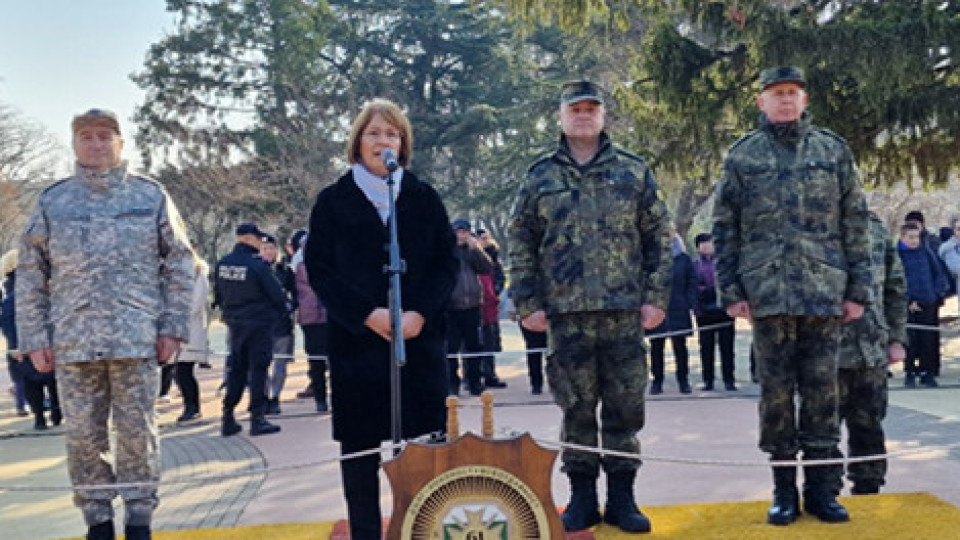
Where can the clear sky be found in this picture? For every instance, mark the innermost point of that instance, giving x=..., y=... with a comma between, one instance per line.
x=62, y=57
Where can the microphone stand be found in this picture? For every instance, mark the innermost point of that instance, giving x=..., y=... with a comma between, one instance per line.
x=398, y=352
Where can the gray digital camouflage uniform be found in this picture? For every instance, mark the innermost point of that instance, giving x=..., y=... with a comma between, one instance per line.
x=863, y=360
x=589, y=245
x=104, y=270
x=790, y=227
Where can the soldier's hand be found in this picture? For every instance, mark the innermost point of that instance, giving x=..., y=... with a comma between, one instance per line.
x=379, y=322
x=42, y=360
x=851, y=311
x=166, y=347
x=536, y=321
x=651, y=316
x=739, y=309
x=411, y=323
x=896, y=353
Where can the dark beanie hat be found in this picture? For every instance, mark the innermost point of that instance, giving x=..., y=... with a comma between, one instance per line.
x=914, y=215
x=701, y=238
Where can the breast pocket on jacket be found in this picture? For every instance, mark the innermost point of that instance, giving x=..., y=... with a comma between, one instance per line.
x=136, y=234
x=821, y=196
x=69, y=239
x=761, y=192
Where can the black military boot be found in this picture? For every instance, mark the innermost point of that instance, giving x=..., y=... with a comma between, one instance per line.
x=621, y=509
x=260, y=426
x=229, y=425
x=583, y=511
x=820, y=489
x=786, y=499
x=136, y=532
x=101, y=531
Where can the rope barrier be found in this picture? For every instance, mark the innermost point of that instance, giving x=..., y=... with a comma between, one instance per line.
x=509, y=354
x=543, y=442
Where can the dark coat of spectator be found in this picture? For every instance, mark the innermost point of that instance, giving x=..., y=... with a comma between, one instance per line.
x=683, y=293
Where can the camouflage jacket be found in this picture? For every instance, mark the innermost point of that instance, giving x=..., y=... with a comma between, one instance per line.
x=104, y=269
x=790, y=223
x=589, y=238
x=884, y=321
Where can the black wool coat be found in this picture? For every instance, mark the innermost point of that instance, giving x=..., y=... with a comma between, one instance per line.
x=345, y=256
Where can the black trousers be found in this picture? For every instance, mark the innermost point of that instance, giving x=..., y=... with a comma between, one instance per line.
x=189, y=388
x=534, y=340
x=490, y=338
x=709, y=339
x=166, y=378
x=315, y=344
x=923, y=346
x=463, y=335
x=251, y=350
x=680, y=353
x=34, y=384
x=361, y=489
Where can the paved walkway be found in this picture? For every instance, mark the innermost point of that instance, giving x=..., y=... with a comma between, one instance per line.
x=704, y=426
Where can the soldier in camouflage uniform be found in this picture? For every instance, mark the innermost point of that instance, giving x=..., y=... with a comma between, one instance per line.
x=590, y=257
x=790, y=225
x=103, y=292
x=867, y=346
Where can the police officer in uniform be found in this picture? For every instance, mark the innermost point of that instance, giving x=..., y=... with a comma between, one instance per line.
x=790, y=227
x=103, y=290
x=252, y=299
x=590, y=258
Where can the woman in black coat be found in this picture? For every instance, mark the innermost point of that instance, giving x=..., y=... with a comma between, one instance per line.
x=683, y=298
x=345, y=257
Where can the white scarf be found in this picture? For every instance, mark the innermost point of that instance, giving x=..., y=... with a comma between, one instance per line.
x=376, y=189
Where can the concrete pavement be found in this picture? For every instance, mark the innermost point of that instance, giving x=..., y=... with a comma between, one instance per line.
x=705, y=427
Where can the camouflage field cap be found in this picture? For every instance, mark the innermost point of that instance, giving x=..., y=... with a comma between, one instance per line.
x=96, y=117
x=781, y=74
x=576, y=91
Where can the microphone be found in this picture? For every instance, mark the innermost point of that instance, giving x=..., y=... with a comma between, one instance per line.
x=389, y=159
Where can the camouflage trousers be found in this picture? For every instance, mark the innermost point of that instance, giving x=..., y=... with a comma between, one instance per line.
x=797, y=357
x=863, y=406
x=598, y=359
x=124, y=391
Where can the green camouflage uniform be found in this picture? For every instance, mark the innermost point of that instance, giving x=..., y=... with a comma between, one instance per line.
x=589, y=245
x=104, y=270
x=863, y=359
x=790, y=228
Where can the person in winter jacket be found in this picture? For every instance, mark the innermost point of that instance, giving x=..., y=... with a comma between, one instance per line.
x=196, y=351
x=683, y=298
x=926, y=287
x=463, y=313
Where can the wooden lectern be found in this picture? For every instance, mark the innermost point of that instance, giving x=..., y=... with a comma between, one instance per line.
x=473, y=488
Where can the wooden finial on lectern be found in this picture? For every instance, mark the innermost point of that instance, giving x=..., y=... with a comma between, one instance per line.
x=487, y=418
x=453, y=418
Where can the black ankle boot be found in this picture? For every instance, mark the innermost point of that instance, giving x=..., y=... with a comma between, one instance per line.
x=583, y=511
x=260, y=426
x=136, y=532
x=621, y=509
x=823, y=504
x=822, y=484
x=101, y=531
x=229, y=425
x=786, y=499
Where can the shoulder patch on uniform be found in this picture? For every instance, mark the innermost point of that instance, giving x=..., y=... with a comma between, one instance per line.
x=145, y=180
x=630, y=155
x=744, y=138
x=540, y=161
x=56, y=184
x=830, y=133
